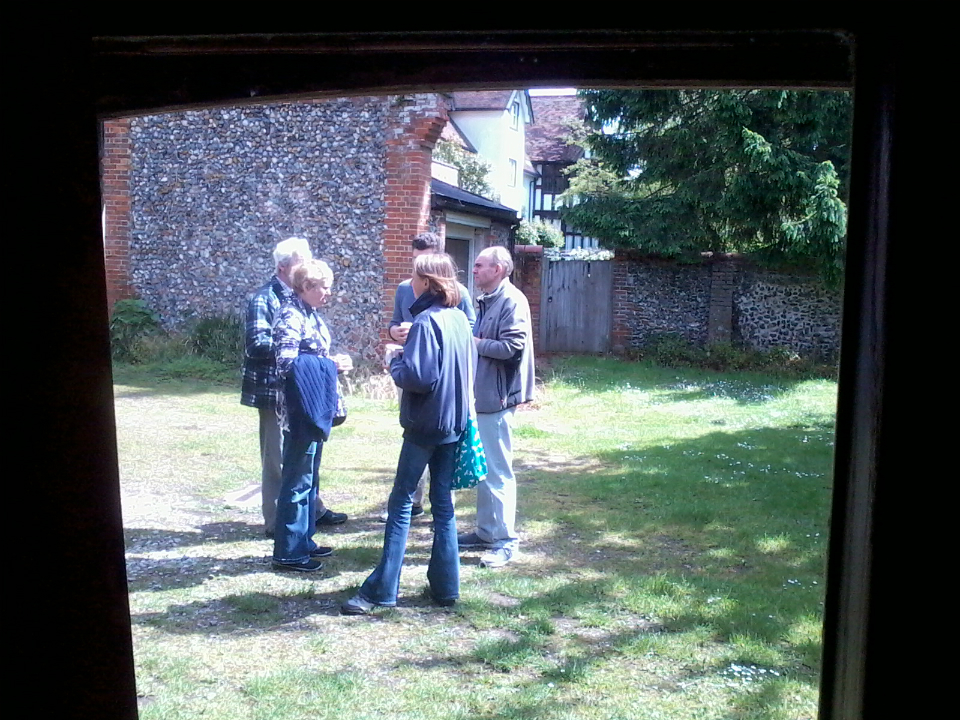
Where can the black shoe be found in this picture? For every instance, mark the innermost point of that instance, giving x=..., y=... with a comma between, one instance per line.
x=308, y=565
x=471, y=541
x=330, y=517
x=446, y=602
x=321, y=551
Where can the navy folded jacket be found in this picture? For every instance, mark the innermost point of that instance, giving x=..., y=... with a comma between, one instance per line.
x=311, y=393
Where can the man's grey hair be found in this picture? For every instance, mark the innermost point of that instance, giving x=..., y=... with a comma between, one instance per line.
x=501, y=256
x=291, y=250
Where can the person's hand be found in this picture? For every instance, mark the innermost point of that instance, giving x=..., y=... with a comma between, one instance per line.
x=390, y=351
x=400, y=332
x=343, y=362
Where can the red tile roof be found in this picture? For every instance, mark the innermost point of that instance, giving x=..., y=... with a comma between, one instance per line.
x=481, y=100
x=546, y=136
x=454, y=134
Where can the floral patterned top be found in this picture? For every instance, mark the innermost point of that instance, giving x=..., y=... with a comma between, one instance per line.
x=297, y=328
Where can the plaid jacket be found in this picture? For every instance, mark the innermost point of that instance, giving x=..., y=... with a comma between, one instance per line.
x=260, y=365
x=294, y=323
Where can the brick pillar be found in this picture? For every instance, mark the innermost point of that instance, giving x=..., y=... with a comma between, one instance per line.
x=528, y=277
x=115, y=192
x=624, y=304
x=720, y=319
x=418, y=121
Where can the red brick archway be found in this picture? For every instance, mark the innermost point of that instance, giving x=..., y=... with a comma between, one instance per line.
x=419, y=120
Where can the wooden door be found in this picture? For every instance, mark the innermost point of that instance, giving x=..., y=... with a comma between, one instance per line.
x=577, y=306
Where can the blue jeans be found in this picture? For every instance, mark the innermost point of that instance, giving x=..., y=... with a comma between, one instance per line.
x=443, y=572
x=297, y=500
x=271, y=459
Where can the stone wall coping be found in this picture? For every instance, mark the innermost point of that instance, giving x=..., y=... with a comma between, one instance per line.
x=529, y=249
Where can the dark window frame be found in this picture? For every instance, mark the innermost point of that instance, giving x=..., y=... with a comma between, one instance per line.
x=83, y=608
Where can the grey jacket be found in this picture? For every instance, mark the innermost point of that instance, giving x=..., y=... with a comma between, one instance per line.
x=505, y=365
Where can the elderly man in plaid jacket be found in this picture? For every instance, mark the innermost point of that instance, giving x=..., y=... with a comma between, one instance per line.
x=260, y=377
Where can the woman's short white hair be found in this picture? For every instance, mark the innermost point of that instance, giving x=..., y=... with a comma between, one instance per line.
x=289, y=249
x=310, y=274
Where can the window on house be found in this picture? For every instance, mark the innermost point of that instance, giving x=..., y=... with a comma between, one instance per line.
x=515, y=115
x=512, y=173
x=553, y=179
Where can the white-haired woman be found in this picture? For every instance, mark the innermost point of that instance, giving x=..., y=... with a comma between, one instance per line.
x=434, y=371
x=306, y=385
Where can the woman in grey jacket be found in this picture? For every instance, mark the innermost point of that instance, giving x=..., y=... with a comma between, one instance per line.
x=434, y=370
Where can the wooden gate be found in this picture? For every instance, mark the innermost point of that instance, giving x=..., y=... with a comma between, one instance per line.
x=577, y=306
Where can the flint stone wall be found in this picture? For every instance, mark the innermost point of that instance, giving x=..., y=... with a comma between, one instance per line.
x=662, y=297
x=767, y=309
x=214, y=190
x=773, y=310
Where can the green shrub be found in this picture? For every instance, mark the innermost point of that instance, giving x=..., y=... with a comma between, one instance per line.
x=672, y=350
x=131, y=320
x=538, y=233
x=193, y=367
x=219, y=338
x=158, y=348
x=725, y=356
x=211, y=350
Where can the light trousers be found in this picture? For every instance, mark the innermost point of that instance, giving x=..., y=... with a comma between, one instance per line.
x=497, y=493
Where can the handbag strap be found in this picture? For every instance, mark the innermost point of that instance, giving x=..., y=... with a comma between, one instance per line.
x=471, y=369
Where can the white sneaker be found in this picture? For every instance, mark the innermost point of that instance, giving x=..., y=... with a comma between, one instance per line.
x=497, y=558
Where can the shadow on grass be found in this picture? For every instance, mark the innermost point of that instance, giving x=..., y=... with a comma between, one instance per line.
x=532, y=652
x=727, y=509
x=142, y=381
x=719, y=539
x=140, y=540
x=165, y=574
x=258, y=611
x=152, y=574
x=244, y=613
x=547, y=656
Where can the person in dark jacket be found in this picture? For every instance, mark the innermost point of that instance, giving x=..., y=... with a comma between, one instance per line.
x=434, y=369
x=401, y=321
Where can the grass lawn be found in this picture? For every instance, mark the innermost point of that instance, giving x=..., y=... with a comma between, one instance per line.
x=673, y=539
